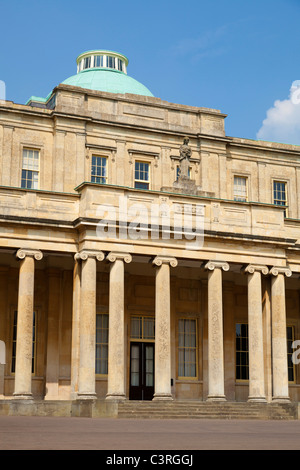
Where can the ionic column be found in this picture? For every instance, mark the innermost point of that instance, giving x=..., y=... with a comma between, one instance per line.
x=75, y=352
x=163, y=328
x=215, y=331
x=279, y=341
x=116, y=334
x=87, y=323
x=25, y=322
x=255, y=333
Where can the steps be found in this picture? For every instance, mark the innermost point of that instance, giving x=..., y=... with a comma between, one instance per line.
x=205, y=410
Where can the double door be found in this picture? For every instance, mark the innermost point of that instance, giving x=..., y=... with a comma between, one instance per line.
x=141, y=371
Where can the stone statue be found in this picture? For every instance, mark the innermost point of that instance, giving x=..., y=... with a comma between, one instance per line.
x=185, y=155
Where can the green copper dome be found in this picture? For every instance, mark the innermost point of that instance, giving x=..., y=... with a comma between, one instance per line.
x=105, y=71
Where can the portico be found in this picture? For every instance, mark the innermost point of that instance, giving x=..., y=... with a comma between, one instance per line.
x=163, y=281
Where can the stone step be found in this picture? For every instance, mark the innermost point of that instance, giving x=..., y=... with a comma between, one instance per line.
x=212, y=410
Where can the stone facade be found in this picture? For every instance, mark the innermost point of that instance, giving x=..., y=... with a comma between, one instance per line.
x=60, y=274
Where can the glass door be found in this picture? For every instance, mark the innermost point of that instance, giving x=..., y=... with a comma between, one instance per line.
x=141, y=371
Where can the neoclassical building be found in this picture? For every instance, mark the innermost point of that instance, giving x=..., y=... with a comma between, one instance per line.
x=144, y=254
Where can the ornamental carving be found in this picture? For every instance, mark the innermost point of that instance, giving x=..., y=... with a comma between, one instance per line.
x=280, y=270
x=252, y=268
x=85, y=254
x=211, y=265
x=23, y=252
x=159, y=260
x=114, y=255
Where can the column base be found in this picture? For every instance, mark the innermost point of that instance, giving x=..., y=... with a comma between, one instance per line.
x=162, y=397
x=216, y=398
x=257, y=400
x=115, y=397
x=22, y=396
x=86, y=396
x=281, y=400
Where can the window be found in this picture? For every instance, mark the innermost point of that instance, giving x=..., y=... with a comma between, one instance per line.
x=142, y=176
x=187, y=348
x=14, y=342
x=99, y=169
x=142, y=328
x=240, y=188
x=98, y=61
x=87, y=63
x=280, y=194
x=30, y=169
x=242, y=352
x=120, y=65
x=101, y=343
x=290, y=339
x=110, y=62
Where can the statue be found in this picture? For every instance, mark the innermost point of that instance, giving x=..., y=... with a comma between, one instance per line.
x=185, y=155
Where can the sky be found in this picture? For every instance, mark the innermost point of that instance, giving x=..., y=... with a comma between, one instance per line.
x=241, y=57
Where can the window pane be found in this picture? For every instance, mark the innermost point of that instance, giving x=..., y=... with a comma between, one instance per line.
x=101, y=366
x=111, y=62
x=136, y=327
x=242, y=354
x=187, y=351
x=98, y=62
x=99, y=169
x=240, y=188
x=290, y=340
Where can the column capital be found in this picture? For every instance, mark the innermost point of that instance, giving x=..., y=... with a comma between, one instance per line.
x=85, y=254
x=23, y=252
x=280, y=270
x=211, y=265
x=252, y=268
x=114, y=255
x=159, y=260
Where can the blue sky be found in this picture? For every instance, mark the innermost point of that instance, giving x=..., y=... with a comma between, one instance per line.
x=241, y=57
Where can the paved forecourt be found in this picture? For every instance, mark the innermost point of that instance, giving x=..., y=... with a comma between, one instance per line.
x=54, y=433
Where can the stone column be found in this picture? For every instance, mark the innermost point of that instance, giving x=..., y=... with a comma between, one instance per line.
x=163, y=328
x=75, y=353
x=255, y=333
x=52, y=363
x=25, y=322
x=116, y=338
x=215, y=331
x=87, y=324
x=279, y=341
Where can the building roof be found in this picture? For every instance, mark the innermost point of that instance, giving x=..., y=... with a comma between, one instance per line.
x=112, y=81
x=100, y=70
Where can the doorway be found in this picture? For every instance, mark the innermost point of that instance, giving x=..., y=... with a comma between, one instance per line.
x=141, y=371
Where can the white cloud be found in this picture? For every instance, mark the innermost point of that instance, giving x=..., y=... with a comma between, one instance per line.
x=282, y=123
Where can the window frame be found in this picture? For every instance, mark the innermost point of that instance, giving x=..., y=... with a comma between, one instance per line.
x=142, y=337
x=285, y=183
x=99, y=374
x=241, y=380
x=291, y=353
x=136, y=180
x=194, y=348
x=33, y=149
x=102, y=156
x=236, y=197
